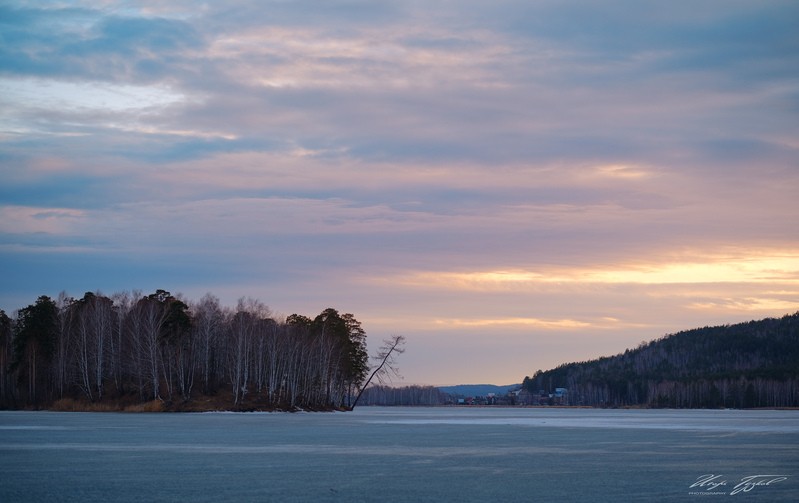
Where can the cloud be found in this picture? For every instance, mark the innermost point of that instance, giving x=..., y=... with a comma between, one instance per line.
x=34, y=220
x=750, y=304
x=83, y=43
x=514, y=170
x=88, y=97
x=526, y=322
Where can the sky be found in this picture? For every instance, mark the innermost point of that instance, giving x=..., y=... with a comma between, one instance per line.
x=511, y=185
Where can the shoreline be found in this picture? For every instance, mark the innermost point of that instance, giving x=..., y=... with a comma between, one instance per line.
x=219, y=404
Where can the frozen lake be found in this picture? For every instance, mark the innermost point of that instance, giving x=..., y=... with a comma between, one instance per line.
x=402, y=454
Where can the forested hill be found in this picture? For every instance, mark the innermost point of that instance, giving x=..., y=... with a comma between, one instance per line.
x=753, y=364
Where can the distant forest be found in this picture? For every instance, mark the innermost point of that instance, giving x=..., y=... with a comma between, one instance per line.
x=754, y=364
x=404, y=396
x=134, y=348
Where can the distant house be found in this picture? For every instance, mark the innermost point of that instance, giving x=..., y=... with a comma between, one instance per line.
x=521, y=397
x=541, y=398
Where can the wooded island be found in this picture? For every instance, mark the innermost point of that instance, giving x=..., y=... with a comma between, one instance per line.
x=160, y=352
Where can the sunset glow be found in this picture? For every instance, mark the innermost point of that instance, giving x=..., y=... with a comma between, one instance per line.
x=778, y=269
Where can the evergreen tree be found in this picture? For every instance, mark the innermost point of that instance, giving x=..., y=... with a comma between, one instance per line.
x=35, y=337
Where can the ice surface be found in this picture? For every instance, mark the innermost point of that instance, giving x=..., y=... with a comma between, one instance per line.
x=398, y=454
x=711, y=420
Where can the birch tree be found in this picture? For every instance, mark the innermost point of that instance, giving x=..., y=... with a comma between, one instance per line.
x=250, y=313
x=146, y=321
x=386, y=368
x=176, y=345
x=62, y=357
x=208, y=329
x=122, y=305
x=101, y=315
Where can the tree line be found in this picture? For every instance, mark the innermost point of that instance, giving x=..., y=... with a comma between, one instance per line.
x=164, y=347
x=413, y=395
x=746, y=365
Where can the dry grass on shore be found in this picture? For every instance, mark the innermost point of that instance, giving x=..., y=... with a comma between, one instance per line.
x=73, y=405
x=222, y=400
